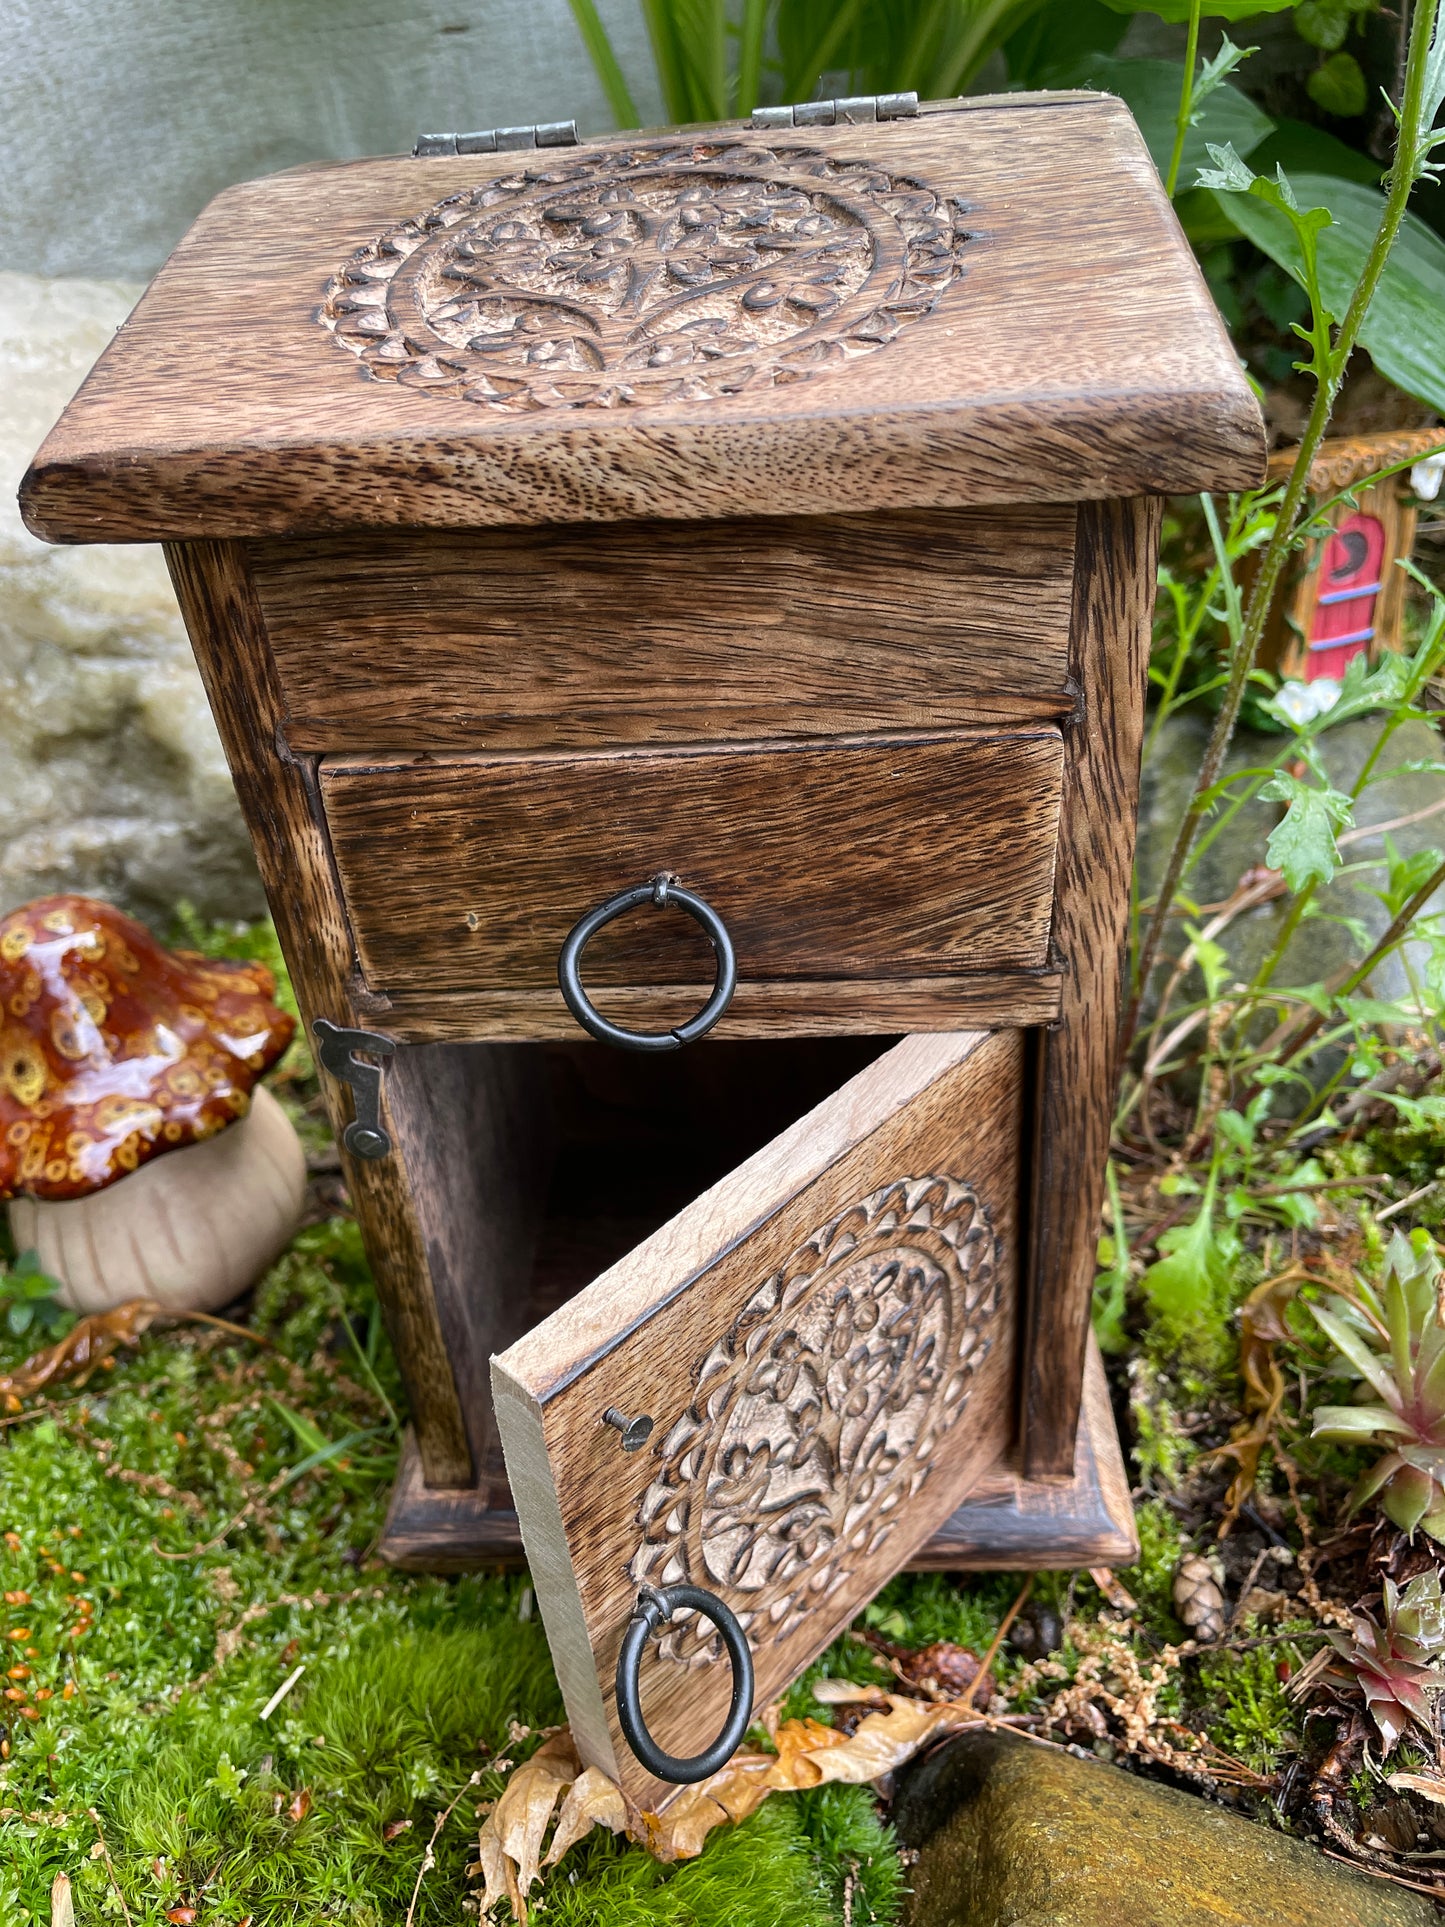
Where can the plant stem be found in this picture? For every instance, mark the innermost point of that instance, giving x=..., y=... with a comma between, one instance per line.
x=1276, y=553
x=1186, y=99
x=1399, y=927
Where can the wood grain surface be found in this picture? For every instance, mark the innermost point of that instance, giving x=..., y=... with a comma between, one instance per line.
x=909, y=856
x=1079, y=356
x=1113, y=603
x=1006, y=1524
x=835, y=1007
x=277, y=796
x=663, y=632
x=895, y=1196
x=1009, y=1523
x=473, y=1131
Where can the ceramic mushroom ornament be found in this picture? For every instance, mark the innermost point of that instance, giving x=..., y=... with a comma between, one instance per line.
x=140, y=1156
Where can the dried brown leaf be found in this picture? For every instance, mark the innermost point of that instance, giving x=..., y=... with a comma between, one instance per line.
x=81, y=1350
x=496, y=1872
x=592, y=1801
x=62, y=1907
x=1431, y=1785
x=520, y=1817
x=730, y=1795
x=809, y=1753
x=300, y=1806
x=846, y=1692
x=1262, y=1326
x=881, y=1742
x=1117, y=1594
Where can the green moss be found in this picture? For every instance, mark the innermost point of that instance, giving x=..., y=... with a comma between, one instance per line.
x=917, y=1608
x=854, y=1852
x=409, y=1686
x=1151, y=1580
x=1161, y=1452
x=1256, y=1722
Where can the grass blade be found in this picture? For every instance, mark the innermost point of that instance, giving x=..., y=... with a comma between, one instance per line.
x=605, y=63
x=750, y=53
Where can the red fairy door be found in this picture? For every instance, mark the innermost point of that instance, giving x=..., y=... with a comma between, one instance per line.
x=1344, y=618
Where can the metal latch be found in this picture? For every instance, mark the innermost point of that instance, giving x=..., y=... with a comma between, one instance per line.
x=498, y=140
x=852, y=112
x=365, y=1136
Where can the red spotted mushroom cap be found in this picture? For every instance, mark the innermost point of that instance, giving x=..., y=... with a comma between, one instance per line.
x=114, y=1050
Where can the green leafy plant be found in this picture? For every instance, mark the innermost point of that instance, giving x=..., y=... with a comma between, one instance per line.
x=1394, y=1664
x=28, y=1295
x=1187, y=1282
x=1330, y=342
x=713, y=58
x=1393, y=1339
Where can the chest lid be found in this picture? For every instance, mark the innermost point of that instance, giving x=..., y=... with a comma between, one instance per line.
x=990, y=302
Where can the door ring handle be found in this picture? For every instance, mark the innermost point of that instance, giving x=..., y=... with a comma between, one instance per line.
x=653, y=1608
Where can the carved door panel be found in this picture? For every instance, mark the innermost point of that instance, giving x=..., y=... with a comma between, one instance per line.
x=823, y=1344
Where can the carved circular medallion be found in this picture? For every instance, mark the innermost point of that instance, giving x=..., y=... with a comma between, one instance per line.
x=661, y=272
x=818, y=1415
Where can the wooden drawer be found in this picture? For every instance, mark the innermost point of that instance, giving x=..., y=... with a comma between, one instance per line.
x=658, y=632
x=894, y=858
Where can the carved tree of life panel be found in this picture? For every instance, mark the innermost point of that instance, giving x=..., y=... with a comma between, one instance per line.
x=679, y=270
x=1344, y=618
x=818, y=1415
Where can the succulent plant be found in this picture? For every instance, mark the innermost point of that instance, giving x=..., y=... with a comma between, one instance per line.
x=1394, y=1339
x=1392, y=1664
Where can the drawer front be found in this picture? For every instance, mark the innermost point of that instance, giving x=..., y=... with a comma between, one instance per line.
x=670, y=632
x=916, y=857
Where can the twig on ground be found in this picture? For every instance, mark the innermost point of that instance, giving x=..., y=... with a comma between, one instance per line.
x=428, y=1859
x=221, y=1325
x=36, y=1411
x=1414, y=1198
x=109, y=1863
x=1362, y=1865
x=281, y=1691
x=966, y=1697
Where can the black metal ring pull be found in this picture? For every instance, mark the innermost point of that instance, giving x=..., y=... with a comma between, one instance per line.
x=660, y=891
x=651, y=1610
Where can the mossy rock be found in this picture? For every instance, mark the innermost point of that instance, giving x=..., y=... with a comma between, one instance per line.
x=1009, y=1834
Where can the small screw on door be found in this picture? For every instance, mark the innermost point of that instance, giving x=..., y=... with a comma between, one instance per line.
x=635, y=1431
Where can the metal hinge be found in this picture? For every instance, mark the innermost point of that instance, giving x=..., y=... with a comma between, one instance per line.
x=365, y=1136
x=852, y=112
x=498, y=140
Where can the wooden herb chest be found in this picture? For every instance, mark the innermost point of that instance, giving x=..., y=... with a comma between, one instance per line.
x=768, y=515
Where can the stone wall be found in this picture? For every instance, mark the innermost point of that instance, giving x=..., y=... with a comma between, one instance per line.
x=112, y=780
x=120, y=119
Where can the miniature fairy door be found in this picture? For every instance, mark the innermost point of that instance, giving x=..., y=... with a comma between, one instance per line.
x=778, y=1396
x=1350, y=582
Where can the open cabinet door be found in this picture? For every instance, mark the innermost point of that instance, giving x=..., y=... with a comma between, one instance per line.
x=824, y=1345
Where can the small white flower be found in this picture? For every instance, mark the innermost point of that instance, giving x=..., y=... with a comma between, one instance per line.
x=1301, y=702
